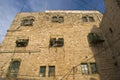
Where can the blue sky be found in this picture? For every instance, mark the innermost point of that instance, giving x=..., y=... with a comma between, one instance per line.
x=9, y=8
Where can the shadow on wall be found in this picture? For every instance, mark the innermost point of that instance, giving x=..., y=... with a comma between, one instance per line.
x=102, y=54
x=92, y=79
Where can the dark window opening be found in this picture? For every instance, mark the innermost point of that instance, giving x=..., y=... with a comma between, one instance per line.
x=22, y=42
x=51, y=71
x=84, y=67
x=56, y=42
x=84, y=19
x=118, y=3
x=42, y=71
x=110, y=29
x=91, y=19
x=13, y=69
x=58, y=19
x=54, y=19
x=61, y=19
x=94, y=38
x=27, y=22
x=93, y=68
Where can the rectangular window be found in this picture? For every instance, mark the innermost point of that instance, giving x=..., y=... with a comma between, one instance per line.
x=22, y=42
x=27, y=21
x=84, y=67
x=42, y=71
x=51, y=71
x=84, y=19
x=56, y=42
x=91, y=19
x=58, y=19
x=93, y=68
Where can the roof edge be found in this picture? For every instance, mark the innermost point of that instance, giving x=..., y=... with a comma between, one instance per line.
x=72, y=11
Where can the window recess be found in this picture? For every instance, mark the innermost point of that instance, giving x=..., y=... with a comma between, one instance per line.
x=13, y=69
x=22, y=42
x=94, y=38
x=56, y=42
x=27, y=21
x=58, y=19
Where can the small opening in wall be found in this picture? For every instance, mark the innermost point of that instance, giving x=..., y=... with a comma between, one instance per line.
x=110, y=29
x=115, y=63
x=113, y=57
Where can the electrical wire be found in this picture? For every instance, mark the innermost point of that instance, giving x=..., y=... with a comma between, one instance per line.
x=89, y=58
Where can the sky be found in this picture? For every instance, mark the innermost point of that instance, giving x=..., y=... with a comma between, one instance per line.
x=9, y=9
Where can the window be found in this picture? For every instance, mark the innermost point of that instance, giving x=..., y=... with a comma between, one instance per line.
x=88, y=18
x=22, y=42
x=84, y=67
x=51, y=71
x=58, y=19
x=54, y=19
x=84, y=19
x=61, y=19
x=89, y=68
x=94, y=38
x=91, y=19
x=42, y=71
x=93, y=68
x=27, y=21
x=118, y=3
x=13, y=69
x=56, y=42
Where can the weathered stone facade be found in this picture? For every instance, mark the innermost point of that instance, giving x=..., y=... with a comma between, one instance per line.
x=110, y=28
x=66, y=59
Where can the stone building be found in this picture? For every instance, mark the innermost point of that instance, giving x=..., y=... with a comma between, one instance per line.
x=54, y=45
x=110, y=28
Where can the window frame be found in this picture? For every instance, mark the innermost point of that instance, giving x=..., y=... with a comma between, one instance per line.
x=95, y=66
x=91, y=19
x=56, y=42
x=84, y=72
x=27, y=21
x=22, y=42
x=51, y=72
x=57, y=19
x=42, y=73
x=84, y=19
x=54, y=19
x=12, y=70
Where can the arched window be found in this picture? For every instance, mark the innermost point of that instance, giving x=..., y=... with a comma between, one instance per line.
x=54, y=19
x=13, y=69
x=61, y=19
